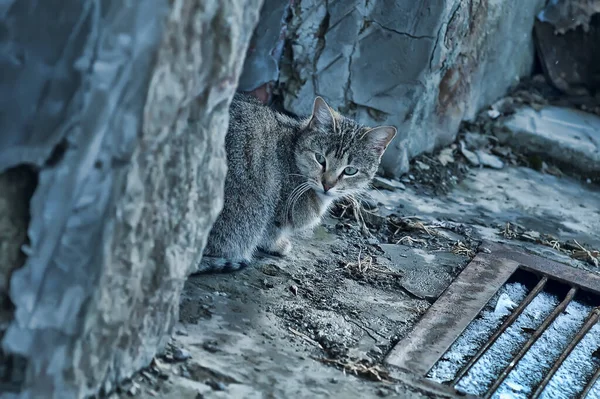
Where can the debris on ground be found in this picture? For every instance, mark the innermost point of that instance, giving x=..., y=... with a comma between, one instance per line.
x=573, y=249
x=460, y=248
x=364, y=265
x=361, y=368
x=590, y=256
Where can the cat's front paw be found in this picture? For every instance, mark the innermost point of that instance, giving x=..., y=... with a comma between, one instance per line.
x=281, y=247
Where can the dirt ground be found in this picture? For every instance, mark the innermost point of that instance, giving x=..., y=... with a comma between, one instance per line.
x=320, y=322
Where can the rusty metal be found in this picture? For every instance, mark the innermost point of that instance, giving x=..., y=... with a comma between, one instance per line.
x=534, y=337
x=451, y=314
x=592, y=319
x=560, y=272
x=448, y=317
x=507, y=323
x=590, y=384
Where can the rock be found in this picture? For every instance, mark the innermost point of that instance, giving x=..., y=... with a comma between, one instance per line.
x=373, y=219
x=123, y=114
x=470, y=155
x=435, y=64
x=566, y=36
x=493, y=113
x=487, y=159
x=446, y=156
x=568, y=15
x=422, y=275
x=566, y=136
x=475, y=140
x=388, y=184
x=368, y=204
x=180, y=354
x=16, y=188
x=422, y=165
x=262, y=61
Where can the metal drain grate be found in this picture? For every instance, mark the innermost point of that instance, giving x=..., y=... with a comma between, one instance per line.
x=464, y=299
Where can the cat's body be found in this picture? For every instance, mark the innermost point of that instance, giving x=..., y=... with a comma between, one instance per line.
x=283, y=174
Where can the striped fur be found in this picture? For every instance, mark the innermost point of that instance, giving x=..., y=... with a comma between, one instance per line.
x=275, y=184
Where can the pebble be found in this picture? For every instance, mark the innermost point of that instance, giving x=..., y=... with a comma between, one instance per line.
x=369, y=204
x=216, y=385
x=489, y=160
x=181, y=355
x=388, y=184
x=470, y=155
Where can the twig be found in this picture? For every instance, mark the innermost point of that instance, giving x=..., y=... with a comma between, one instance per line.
x=586, y=254
x=363, y=265
x=411, y=240
x=460, y=248
x=305, y=337
x=374, y=372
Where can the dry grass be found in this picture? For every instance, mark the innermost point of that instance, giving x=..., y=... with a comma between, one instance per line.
x=371, y=372
x=574, y=250
x=352, y=205
x=590, y=256
x=305, y=337
x=460, y=248
x=364, y=265
x=409, y=224
x=509, y=231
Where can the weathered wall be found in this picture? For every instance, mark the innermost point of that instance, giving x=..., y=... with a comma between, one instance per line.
x=423, y=66
x=122, y=109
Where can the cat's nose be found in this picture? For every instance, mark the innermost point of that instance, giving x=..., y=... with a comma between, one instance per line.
x=327, y=186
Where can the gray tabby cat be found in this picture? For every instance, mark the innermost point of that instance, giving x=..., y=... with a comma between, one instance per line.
x=283, y=174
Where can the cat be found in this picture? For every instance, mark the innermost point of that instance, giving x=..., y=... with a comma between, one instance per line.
x=283, y=175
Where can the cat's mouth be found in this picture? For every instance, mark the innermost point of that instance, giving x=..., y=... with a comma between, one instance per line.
x=326, y=195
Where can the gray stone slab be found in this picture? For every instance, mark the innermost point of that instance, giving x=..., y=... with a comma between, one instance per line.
x=426, y=274
x=262, y=61
x=567, y=136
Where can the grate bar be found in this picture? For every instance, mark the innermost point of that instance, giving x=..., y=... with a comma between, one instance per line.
x=590, y=384
x=541, y=329
x=507, y=323
x=592, y=319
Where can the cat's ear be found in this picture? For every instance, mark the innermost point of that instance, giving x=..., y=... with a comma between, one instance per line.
x=322, y=115
x=379, y=137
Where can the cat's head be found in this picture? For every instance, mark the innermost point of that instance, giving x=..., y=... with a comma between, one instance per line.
x=338, y=156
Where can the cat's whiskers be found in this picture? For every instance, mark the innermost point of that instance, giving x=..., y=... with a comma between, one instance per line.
x=298, y=196
x=294, y=196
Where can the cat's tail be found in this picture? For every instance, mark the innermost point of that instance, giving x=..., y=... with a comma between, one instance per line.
x=211, y=264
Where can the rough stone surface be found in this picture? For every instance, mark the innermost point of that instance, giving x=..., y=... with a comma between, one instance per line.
x=16, y=188
x=566, y=15
x=126, y=130
x=566, y=34
x=262, y=61
x=563, y=135
x=421, y=66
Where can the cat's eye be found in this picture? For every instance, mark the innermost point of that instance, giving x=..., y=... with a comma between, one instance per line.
x=350, y=171
x=320, y=159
